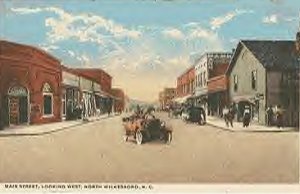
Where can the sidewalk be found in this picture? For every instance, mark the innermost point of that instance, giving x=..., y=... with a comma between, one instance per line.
x=41, y=129
x=238, y=126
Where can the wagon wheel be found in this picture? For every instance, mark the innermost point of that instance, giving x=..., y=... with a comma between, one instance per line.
x=139, y=137
x=168, y=137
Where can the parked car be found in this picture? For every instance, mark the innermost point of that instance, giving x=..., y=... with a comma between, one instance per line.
x=146, y=129
x=194, y=114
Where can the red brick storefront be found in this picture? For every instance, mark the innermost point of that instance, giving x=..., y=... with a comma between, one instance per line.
x=98, y=75
x=104, y=99
x=185, y=83
x=119, y=104
x=30, y=82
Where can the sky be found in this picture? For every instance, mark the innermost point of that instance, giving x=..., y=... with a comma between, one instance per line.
x=144, y=44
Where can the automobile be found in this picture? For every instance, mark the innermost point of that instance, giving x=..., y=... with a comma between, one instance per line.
x=194, y=114
x=146, y=129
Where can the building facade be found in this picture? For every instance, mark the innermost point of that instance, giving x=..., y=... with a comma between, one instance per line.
x=104, y=100
x=185, y=85
x=210, y=84
x=71, y=94
x=119, y=105
x=263, y=74
x=30, y=82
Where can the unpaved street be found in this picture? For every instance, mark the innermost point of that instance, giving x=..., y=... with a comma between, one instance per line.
x=96, y=152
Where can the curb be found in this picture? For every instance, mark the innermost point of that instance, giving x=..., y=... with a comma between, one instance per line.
x=217, y=126
x=54, y=130
x=256, y=131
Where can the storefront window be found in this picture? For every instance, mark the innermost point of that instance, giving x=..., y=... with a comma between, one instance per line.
x=48, y=100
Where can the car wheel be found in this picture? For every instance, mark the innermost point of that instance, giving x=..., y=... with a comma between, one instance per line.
x=139, y=137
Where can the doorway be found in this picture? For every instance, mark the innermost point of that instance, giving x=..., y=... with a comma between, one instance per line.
x=18, y=105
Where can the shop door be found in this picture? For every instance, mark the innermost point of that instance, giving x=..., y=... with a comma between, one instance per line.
x=23, y=109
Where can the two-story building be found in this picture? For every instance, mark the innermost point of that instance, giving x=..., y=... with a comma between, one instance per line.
x=185, y=85
x=103, y=98
x=208, y=69
x=263, y=74
x=119, y=105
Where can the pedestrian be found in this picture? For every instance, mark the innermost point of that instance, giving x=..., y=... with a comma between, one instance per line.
x=270, y=115
x=228, y=116
x=246, y=116
x=279, y=117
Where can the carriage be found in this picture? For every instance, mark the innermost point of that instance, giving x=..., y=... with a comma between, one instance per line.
x=147, y=128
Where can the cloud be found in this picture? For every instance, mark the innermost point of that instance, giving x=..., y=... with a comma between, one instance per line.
x=272, y=19
x=173, y=33
x=217, y=22
x=85, y=27
x=26, y=10
x=48, y=48
x=71, y=53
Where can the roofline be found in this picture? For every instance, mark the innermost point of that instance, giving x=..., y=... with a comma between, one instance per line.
x=34, y=48
x=98, y=69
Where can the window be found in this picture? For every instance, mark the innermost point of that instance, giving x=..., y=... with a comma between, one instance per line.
x=254, y=80
x=200, y=80
x=204, y=78
x=48, y=100
x=235, y=83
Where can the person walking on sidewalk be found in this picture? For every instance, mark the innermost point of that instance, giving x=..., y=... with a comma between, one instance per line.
x=246, y=116
x=228, y=116
x=270, y=115
x=279, y=117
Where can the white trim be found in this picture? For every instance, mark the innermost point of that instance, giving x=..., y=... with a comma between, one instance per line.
x=64, y=106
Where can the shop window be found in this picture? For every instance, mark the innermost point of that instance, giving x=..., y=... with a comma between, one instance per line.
x=235, y=83
x=48, y=100
x=254, y=80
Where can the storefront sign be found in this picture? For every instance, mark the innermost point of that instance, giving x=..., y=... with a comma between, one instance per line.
x=70, y=79
x=17, y=91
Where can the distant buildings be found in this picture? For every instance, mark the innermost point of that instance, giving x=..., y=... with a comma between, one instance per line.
x=165, y=97
x=36, y=88
x=120, y=99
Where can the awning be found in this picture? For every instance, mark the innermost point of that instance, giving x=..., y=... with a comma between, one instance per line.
x=182, y=99
x=244, y=98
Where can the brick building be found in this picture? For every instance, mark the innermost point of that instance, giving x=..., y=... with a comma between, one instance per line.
x=185, y=87
x=102, y=99
x=119, y=105
x=30, y=81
